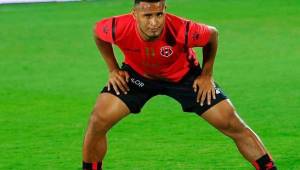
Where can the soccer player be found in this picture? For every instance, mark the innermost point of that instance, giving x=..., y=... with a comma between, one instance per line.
x=160, y=60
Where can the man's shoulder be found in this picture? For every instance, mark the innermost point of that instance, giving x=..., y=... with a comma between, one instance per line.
x=115, y=27
x=176, y=27
x=176, y=24
x=178, y=20
x=125, y=18
x=174, y=19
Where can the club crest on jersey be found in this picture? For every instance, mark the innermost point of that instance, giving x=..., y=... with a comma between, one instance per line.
x=166, y=51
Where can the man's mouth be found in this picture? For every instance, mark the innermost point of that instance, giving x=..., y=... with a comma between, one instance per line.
x=154, y=29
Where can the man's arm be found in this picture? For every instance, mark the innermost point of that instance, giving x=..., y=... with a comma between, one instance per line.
x=107, y=53
x=209, y=52
x=204, y=83
x=117, y=78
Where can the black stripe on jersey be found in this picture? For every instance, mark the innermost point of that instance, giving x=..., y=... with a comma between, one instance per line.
x=186, y=36
x=170, y=39
x=114, y=29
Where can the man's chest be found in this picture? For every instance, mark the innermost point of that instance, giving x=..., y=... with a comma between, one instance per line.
x=151, y=54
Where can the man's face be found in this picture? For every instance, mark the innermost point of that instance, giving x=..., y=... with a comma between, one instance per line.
x=150, y=17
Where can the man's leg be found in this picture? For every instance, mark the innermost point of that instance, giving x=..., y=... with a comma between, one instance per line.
x=108, y=110
x=224, y=118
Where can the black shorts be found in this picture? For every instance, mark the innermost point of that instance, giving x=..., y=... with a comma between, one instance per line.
x=142, y=89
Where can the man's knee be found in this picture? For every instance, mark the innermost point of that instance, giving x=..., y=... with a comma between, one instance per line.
x=234, y=126
x=108, y=111
x=99, y=122
x=238, y=132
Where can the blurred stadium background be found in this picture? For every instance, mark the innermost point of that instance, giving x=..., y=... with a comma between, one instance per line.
x=51, y=73
x=32, y=1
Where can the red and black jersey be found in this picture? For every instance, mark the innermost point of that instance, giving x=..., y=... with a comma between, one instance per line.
x=169, y=57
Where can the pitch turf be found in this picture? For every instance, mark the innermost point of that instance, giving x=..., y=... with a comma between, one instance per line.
x=51, y=73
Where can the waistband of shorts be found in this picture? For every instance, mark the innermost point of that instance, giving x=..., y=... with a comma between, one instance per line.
x=193, y=71
x=128, y=68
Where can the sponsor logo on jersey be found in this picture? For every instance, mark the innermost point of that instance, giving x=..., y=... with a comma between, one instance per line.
x=166, y=51
x=136, y=50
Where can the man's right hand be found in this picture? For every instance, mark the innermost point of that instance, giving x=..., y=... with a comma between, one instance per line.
x=118, y=80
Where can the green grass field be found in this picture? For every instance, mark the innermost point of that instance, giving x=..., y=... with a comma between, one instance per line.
x=51, y=73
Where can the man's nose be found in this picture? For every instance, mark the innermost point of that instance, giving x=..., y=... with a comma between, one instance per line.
x=153, y=21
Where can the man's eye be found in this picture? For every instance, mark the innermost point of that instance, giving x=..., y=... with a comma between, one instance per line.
x=159, y=14
x=147, y=16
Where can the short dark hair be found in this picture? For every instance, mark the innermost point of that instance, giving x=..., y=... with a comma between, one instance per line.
x=138, y=1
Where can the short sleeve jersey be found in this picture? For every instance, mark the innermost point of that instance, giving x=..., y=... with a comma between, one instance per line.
x=168, y=57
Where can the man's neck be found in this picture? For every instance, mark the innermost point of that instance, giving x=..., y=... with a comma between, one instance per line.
x=144, y=36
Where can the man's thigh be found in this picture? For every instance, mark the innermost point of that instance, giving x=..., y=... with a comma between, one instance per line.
x=110, y=108
x=184, y=93
x=141, y=90
x=224, y=117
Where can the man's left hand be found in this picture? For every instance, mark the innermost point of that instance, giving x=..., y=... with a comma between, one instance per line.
x=204, y=86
